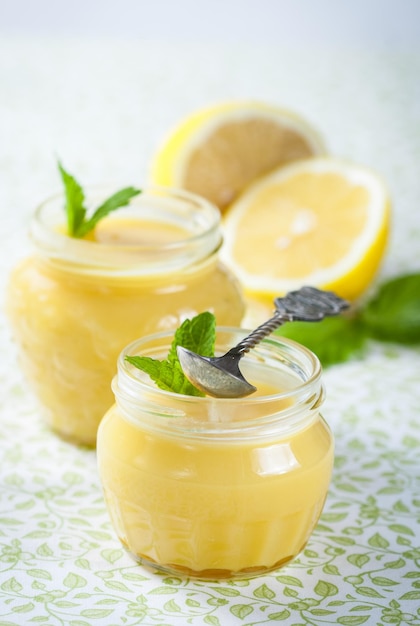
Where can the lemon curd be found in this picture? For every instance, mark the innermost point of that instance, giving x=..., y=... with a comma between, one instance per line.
x=75, y=303
x=217, y=488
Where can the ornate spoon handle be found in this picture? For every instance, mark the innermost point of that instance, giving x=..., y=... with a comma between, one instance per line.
x=307, y=304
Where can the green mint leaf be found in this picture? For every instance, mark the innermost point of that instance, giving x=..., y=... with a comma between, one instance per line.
x=117, y=200
x=74, y=208
x=393, y=314
x=77, y=224
x=166, y=375
x=197, y=334
x=333, y=340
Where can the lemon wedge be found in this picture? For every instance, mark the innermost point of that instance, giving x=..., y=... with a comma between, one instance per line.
x=320, y=221
x=217, y=151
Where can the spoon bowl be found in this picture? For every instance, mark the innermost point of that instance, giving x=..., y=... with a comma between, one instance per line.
x=215, y=376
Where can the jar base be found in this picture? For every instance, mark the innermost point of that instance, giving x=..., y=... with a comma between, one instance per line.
x=81, y=442
x=210, y=574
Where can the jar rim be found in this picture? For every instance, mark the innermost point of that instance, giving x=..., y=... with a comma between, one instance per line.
x=133, y=388
x=198, y=216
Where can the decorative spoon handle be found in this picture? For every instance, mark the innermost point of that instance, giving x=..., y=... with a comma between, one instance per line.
x=307, y=304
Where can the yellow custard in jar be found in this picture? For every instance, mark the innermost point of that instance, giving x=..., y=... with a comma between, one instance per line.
x=218, y=488
x=75, y=303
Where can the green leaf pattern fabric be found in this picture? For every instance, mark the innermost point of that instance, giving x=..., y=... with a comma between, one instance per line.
x=60, y=562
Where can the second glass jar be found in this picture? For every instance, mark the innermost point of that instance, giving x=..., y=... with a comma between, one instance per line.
x=74, y=304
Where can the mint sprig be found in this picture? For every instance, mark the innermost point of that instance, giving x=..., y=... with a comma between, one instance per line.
x=78, y=225
x=197, y=334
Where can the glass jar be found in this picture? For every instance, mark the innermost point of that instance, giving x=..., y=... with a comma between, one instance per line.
x=217, y=488
x=75, y=303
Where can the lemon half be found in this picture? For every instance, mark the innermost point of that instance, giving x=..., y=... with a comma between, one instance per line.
x=320, y=221
x=217, y=151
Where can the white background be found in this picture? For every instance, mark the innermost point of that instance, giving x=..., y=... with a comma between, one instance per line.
x=384, y=23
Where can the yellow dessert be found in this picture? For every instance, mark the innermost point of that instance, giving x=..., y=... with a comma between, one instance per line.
x=235, y=489
x=75, y=303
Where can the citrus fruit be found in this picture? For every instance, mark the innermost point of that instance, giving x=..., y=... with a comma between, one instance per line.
x=320, y=221
x=219, y=150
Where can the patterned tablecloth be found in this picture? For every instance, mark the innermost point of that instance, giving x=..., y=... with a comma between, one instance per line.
x=103, y=108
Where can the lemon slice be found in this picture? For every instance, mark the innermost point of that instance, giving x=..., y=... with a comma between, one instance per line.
x=321, y=222
x=219, y=150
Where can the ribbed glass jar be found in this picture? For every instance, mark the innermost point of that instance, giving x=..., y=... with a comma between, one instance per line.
x=75, y=303
x=217, y=488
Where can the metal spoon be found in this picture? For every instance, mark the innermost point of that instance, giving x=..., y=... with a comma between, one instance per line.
x=221, y=376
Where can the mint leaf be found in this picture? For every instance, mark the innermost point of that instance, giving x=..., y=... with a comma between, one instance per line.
x=77, y=224
x=75, y=197
x=333, y=340
x=197, y=334
x=393, y=314
x=119, y=199
x=167, y=376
